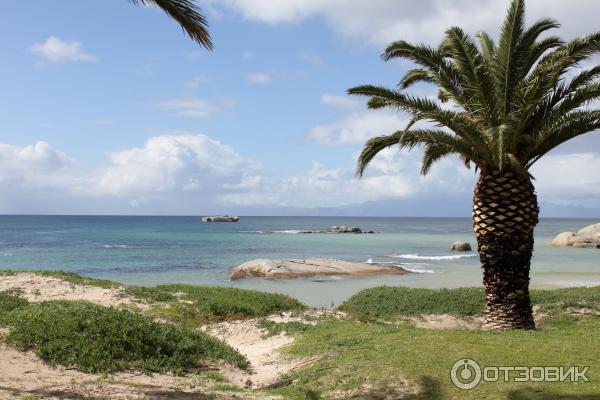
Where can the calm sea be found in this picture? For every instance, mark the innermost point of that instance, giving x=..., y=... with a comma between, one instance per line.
x=155, y=250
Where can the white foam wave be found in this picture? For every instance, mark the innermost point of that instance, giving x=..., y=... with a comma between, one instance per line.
x=437, y=258
x=289, y=231
x=117, y=246
x=420, y=271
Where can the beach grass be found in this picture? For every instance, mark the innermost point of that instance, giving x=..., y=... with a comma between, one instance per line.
x=387, y=302
x=198, y=305
x=98, y=339
x=376, y=360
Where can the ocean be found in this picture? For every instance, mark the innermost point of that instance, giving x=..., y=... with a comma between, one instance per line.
x=155, y=250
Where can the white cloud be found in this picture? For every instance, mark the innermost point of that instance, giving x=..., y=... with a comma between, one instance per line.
x=260, y=77
x=55, y=50
x=183, y=172
x=311, y=57
x=37, y=165
x=357, y=127
x=569, y=179
x=247, y=55
x=264, y=77
x=173, y=163
x=195, y=82
x=195, y=106
x=392, y=175
x=344, y=102
x=379, y=22
x=247, y=182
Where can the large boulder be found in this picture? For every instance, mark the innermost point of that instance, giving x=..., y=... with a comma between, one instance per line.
x=588, y=237
x=460, y=246
x=286, y=269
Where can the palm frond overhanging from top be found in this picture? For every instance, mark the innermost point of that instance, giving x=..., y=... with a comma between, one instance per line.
x=188, y=15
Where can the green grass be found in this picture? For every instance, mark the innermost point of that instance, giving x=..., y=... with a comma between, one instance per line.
x=386, y=302
x=100, y=339
x=191, y=305
x=275, y=328
x=198, y=305
x=374, y=361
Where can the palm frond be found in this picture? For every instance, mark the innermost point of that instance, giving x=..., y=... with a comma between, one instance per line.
x=507, y=53
x=513, y=101
x=188, y=15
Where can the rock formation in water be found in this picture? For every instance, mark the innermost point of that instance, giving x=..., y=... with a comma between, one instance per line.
x=460, y=246
x=588, y=237
x=286, y=269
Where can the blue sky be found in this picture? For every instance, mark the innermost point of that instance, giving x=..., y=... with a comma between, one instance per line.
x=109, y=108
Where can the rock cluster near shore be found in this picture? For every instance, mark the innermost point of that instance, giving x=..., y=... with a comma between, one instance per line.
x=287, y=269
x=588, y=237
x=336, y=229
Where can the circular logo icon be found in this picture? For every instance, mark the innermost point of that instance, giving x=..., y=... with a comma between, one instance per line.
x=465, y=374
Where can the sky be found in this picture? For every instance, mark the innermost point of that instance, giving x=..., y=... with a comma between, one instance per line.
x=108, y=108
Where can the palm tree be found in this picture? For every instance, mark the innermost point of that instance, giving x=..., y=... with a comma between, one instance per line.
x=187, y=14
x=509, y=104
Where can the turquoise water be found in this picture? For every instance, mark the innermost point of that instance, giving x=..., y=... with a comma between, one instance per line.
x=156, y=250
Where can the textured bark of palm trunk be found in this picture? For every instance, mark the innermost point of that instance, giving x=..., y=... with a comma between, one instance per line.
x=505, y=212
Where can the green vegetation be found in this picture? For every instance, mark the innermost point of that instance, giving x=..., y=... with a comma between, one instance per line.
x=275, y=328
x=9, y=301
x=377, y=354
x=198, y=305
x=397, y=360
x=386, y=302
x=100, y=339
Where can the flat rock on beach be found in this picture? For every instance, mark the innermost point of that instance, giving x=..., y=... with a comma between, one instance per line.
x=290, y=268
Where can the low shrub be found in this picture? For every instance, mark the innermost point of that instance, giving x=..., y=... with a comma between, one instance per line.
x=387, y=302
x=100, y=339
x=203, y=304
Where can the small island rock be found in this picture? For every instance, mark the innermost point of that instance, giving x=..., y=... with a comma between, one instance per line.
x=460, y=246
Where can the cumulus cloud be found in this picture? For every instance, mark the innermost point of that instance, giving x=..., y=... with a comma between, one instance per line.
x=358, y=127
x=263, y=77
x=382, y=21
x=54, y=50
x=195, y=82
x=168, y=167
x=195, y=106
x=569, y=178
x=172, y=163
x=37, y=165
x=343, y=102
x=392, y=175
x=310, y=57
x=185, y=172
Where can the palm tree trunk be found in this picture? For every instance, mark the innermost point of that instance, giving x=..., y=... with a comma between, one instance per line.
x=505, y=212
